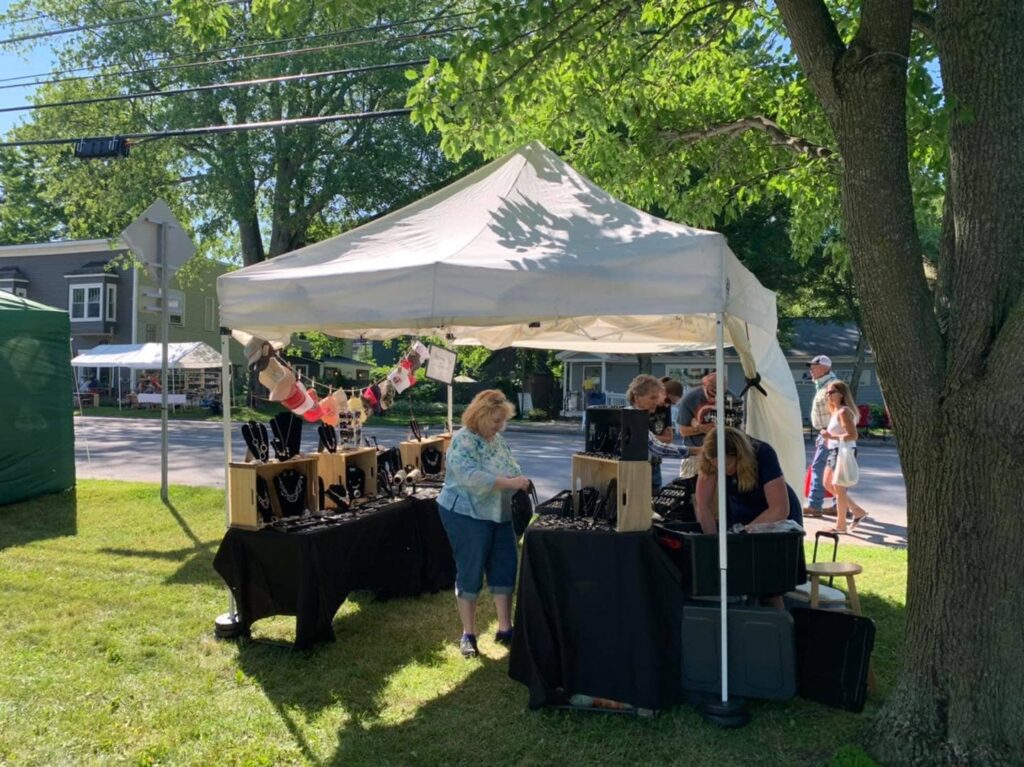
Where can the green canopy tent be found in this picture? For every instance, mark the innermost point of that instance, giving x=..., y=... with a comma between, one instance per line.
x=37, y=439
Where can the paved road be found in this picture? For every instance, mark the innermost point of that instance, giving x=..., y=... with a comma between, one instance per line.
x=129, y=449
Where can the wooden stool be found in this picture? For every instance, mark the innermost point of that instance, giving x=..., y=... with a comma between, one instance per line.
x=816, y=570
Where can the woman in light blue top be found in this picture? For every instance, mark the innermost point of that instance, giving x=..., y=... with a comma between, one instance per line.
x=475, y=508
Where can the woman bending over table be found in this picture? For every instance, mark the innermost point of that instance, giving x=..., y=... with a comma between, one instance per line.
x=476, y=511
x=755, y=489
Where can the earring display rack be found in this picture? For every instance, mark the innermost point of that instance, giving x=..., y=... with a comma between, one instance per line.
x=633, y=480
x=411, y=449
x=242, y=502
x=332, y=469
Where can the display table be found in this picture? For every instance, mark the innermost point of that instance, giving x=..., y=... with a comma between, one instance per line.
x=157, y=399
x=598, y=613
x=398, y=550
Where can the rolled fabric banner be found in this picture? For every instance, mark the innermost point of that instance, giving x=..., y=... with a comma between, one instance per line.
x=302, y=403
x=279, y=379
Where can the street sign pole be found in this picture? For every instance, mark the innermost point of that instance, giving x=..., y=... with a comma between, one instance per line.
x=165, y=247
x=165, y=323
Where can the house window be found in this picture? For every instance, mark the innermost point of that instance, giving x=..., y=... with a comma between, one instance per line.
x=688, y=376
x=210, y=314
x=21, y=292
x=150, y=333
x=111, y=302
x=85, y=302
x=176, y=307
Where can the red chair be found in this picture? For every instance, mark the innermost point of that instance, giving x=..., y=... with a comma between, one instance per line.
x=865, y=420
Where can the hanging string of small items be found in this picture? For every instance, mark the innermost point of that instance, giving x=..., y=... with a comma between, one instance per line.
x=335, y=409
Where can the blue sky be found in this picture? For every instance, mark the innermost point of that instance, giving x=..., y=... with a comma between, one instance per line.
x=38, y=60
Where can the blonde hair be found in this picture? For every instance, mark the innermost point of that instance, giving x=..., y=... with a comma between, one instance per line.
x=737, y=445
x=846, y=391
x=642, y=386
x=483, y=406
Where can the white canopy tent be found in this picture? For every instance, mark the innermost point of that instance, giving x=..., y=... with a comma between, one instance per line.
x=527, y=252
x=191, y=355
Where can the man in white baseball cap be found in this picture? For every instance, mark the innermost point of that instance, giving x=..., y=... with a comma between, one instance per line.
x=821, y=372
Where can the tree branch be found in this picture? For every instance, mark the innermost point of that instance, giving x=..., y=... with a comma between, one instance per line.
x=817, y=44
x=758, y=122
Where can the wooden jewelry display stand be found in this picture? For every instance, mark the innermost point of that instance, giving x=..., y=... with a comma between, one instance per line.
x=242, y=504
x=332, y=468
x=411, y=449
x=633, y=480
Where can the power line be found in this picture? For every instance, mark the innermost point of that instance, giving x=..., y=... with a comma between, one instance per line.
x=219, y=86
x=221, y=129
x=100, y=25
x=237, y=59
x=300, y=38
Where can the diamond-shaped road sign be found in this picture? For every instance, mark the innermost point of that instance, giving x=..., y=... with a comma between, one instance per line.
x=141, y=236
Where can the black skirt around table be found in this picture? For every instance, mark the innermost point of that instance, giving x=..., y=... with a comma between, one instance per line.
x=598, y=613
x=398, y=550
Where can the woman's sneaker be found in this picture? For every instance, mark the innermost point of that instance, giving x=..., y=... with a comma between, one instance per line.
x=467, y=646
x=504, y=638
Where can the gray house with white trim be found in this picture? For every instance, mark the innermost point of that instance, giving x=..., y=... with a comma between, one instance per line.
x=595, y=378
x=107, y=302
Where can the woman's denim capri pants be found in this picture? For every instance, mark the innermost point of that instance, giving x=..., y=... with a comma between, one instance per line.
x=480, y=546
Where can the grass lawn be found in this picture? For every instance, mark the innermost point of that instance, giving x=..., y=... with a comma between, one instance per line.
x=107, y=656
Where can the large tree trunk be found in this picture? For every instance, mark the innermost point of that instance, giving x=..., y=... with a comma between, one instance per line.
x=958, y=698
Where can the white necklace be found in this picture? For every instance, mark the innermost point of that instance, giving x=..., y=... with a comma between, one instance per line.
x=293, y=496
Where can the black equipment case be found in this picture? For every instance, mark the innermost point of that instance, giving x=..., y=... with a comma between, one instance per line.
x=761, y=652
x=617, y=432
x=833, y=651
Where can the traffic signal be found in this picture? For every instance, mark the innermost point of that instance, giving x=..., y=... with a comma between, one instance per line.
x=99, y=148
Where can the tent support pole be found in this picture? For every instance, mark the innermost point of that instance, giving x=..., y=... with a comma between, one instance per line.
x=451, y=400
x=726, y=712
x=226, y=626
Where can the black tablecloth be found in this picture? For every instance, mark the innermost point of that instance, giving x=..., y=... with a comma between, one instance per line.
x=598, y=613
x=399, y=550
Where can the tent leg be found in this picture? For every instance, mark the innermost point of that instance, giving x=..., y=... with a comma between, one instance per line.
x=226, y=625
x=725, y=712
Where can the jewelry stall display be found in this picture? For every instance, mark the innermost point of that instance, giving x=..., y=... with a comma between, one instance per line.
x=291, y=496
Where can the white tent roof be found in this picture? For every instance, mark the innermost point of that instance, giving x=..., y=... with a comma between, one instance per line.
x=527, y=252
x=194, y=354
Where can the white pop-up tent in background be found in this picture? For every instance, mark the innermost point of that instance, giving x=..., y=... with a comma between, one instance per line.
x=528, y=252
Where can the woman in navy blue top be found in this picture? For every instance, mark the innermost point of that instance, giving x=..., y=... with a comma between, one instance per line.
x=754, y=486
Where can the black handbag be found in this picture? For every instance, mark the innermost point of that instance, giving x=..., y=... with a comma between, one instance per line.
x=523, y=502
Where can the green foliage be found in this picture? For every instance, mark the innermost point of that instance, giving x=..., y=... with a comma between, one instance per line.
x=697, y=111
x=262, y=192
x=536, y=414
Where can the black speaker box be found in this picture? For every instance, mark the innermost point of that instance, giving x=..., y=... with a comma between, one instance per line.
x=617, y=432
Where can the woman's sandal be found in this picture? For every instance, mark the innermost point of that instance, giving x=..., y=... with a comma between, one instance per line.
x=857, y=520
x=837, y=531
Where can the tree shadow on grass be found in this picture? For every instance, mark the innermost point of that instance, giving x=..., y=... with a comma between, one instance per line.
x=375, y=640
x=484, y=719
x=196, y=559
x=49, y=516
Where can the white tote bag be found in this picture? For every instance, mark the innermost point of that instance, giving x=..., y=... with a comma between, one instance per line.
x=847, y=473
